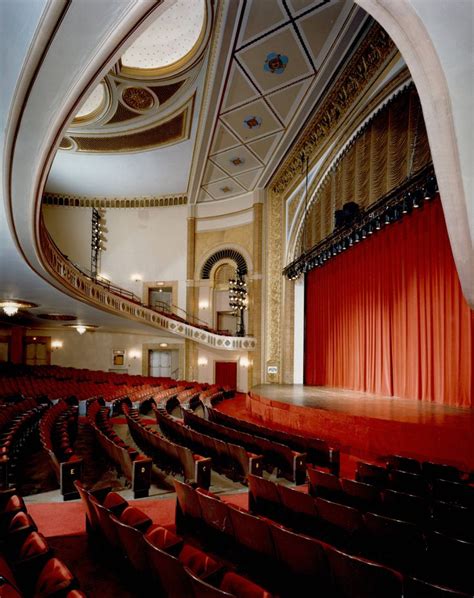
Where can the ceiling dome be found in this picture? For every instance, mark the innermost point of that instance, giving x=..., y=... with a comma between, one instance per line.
x=170, y=41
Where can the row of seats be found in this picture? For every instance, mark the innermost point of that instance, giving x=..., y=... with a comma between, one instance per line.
x=291, y=464
x=434, y=512
x=168, y=455
x=318, y=452
x=294, y=562
x=57, y=432
x=421, y=483
x=177, y=568
x=135, y=466
x=28, y=567
x=13, y=440
x=231, y=459
x=402, y=545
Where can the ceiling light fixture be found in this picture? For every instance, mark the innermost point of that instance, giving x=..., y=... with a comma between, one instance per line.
x=11, y=306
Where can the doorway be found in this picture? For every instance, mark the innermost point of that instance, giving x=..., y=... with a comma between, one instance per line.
x=37, y=350
x=226, y=373
x=163, y=364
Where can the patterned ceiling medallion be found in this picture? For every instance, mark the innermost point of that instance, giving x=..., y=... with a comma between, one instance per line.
x=237, y=161
x=253, y=122
x=57, y=317
x=226, y=189
x=275, y=63
x=138, y=98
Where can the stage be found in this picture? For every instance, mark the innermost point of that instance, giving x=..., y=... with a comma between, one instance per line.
x=369, y=426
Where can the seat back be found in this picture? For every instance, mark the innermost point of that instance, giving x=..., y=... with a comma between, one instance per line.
x=168, y=572
x=202, y=589
x=264, y=497
x=403, y=464
x=360, y=495
x=251, y=532
x=355, y=577
x=416, y=588
x=236, y=585
x=432, y=471
x=92, y=521
x=215, y=513
x=407, y=507
x=410, y=483
x=371, y=474
x=131, y=541
x=325, y=485
x=303, y=560
x=187, y=499
x=106, y=527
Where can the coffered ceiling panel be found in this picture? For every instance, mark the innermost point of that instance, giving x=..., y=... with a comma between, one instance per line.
x=252, y=121
x=224, y=189
x=261, y=17
x=250, y=178
x=272, y=82
x=286, y=100
x=236, y=160
x=240, y=89
x=276, y=60
x=316, y=28
x=223, y=139
x=264, y=147
x=213, y=173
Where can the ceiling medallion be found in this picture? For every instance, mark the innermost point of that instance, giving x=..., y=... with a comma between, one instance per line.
x=275, y=63
x=226, y=189
x=56, y=317
x=237, y=161
x=11, y=306
x=253, y=122
x=138, y=98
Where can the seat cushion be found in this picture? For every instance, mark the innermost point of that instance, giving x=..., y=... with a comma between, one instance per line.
x=115, y=503
x=136, y=518
x=241, y=587
x=54, y=577
x=34, y=545
x=162, y=537
x=199, y=562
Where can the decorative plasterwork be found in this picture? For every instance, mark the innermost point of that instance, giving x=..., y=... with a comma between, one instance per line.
x=60, y=199
x=136, y=109
x=367, y=60
x=367, y=63
x=86, y=289
x=276, y=64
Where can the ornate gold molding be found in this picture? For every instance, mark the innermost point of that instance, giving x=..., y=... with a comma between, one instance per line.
x=79, y=201
x=369, y=57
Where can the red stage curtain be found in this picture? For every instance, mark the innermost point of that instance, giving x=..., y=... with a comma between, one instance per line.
x=226, y=373
x=388, y=316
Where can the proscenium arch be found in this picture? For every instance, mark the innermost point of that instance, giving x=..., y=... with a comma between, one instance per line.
x=441, y=69
x=221, y=254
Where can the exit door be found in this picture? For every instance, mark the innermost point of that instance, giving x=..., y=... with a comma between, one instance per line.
x=226, y=373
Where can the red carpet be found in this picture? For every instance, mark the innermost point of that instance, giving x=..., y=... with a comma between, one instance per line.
x=68, y=518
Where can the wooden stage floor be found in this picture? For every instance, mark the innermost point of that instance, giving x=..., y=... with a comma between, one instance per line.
x=367, y=425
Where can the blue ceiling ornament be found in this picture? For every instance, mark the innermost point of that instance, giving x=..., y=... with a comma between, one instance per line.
x=275, y=63
x=252, y=122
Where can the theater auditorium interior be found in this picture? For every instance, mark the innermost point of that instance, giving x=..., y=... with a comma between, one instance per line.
x=236, y=292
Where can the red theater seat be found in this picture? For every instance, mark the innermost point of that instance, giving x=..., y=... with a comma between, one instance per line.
x=135, y=518
x=241, y=587
x=54, y=578
x=202, y=589
x=115, y=503
x=299, y=509
x=355, y=577
x=164, y=539
x=359, y=495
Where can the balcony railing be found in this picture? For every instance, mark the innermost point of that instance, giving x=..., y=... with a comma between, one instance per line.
x=111, y=298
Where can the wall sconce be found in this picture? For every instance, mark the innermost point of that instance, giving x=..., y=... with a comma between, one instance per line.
x=202, y=361
x=244, y=362
x=203, y=304
x=56, y=345
x=134, y=354
x=163, y=345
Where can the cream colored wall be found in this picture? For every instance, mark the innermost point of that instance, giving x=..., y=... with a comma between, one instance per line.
x=206, y=359
x=149, y=242
x=94, y=350
x=70, y=229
